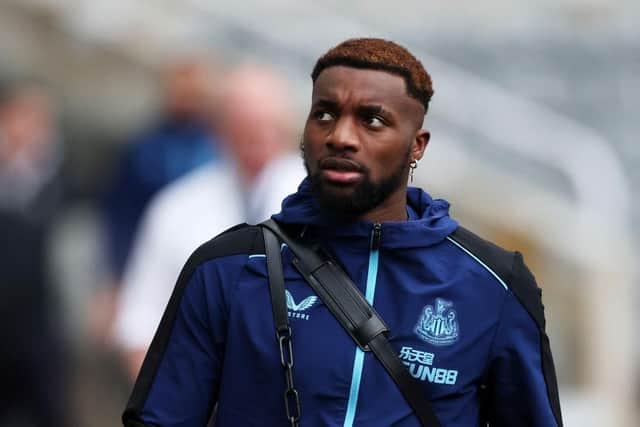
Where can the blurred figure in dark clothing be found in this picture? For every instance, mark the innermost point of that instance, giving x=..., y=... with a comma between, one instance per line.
x=176, y=144
x=32, y=369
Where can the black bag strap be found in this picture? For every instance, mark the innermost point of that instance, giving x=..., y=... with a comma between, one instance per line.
x=281, y=320
x=355, y=314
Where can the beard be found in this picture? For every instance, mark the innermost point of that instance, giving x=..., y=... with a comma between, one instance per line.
x=365, y=196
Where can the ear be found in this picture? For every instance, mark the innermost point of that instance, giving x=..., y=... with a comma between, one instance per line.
x=420, y=143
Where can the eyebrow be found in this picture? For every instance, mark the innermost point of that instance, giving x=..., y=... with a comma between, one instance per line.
x=326, y=103
x=372, y=109
x=366, y=109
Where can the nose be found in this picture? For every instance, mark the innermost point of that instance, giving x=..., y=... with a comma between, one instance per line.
x=344, y=135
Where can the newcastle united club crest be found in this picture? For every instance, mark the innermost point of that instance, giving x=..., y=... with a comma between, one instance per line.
x=438, y=324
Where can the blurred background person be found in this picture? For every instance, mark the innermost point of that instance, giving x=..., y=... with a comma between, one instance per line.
x=33, y=369
x=179, y=141
x=258, y=167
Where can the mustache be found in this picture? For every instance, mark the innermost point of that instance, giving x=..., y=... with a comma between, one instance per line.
x=341, y=164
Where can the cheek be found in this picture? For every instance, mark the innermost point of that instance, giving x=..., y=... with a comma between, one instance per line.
x=386, y=157
x=312, y=145
x=311, y=135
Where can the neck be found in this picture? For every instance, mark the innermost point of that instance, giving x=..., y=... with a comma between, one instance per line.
x=394, y=208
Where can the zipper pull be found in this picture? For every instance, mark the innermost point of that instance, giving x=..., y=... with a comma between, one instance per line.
x=375, y=238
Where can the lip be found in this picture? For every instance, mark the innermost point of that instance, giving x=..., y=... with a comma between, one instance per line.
x=340, y=171
x=341, y=177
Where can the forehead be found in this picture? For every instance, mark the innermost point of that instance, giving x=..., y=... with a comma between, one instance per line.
x=342, y=84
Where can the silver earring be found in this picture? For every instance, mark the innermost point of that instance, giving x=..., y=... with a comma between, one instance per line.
x=412, y=167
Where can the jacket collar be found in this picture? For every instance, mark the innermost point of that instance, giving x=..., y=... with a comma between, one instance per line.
x=429, y=222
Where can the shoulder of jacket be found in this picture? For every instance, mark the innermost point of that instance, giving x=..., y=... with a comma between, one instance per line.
x=242, y=239
x=507, y=266
x=499, y=260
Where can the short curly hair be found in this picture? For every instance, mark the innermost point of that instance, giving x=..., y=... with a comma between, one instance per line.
x=380, y=54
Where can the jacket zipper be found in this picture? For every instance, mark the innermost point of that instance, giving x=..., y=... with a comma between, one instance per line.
x=370, y=289
x=375, y=237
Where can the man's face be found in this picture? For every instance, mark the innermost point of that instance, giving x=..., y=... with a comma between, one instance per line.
x=361, y=134
x=254, y=119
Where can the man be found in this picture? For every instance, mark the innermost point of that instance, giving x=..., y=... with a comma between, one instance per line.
x=177, y=142
x=256, y=171
x=33, y=368
x=465, y=316
x=174, y=145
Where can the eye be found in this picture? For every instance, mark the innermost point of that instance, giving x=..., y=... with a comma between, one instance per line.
x=322, y=116
x=374, y=121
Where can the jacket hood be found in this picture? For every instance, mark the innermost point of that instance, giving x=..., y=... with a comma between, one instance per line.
x=428, y=219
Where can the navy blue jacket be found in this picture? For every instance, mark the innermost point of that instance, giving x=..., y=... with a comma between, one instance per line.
x=465, y=318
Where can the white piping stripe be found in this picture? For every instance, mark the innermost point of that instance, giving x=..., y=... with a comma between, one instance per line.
x=493, y=273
